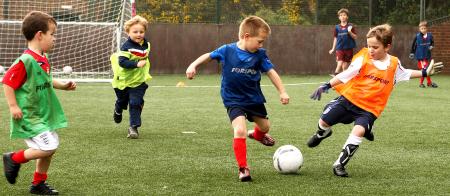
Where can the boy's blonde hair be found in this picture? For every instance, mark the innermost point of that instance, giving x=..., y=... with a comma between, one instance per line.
x=382, y=33
x=136, y=20
x=423, y=23
x=343, y=10
x=253, y=25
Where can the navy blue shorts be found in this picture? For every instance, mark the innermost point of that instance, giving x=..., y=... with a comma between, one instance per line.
x=248, y=111
x=341, y=110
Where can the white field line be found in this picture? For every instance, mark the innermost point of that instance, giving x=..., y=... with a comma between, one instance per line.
x=217, y=86
x=174, y=86
x=189, y=132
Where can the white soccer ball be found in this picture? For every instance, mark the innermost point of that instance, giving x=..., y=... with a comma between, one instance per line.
x=287, y=159
x=2, y=69
x=67, y=69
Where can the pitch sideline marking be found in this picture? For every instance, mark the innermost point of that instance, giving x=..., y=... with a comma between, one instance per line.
x=216, y=86
x=189, y=132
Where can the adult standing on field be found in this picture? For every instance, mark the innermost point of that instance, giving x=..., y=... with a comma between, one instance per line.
x=344, y=41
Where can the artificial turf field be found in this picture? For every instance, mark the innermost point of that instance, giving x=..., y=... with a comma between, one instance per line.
x=410, y=154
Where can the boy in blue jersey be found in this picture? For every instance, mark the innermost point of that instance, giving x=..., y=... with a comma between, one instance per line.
x=421, y=50
x=242, y=64
x=131, y=70
x=343, y=42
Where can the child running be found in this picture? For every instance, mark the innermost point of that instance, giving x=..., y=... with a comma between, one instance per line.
x=131, y=72
x=36, y=113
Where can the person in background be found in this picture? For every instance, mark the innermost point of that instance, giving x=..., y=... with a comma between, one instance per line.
x=421, y=49
x=131, y=68
x=344, y=41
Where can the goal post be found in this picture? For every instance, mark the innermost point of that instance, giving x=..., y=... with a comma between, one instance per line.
x=88, y=32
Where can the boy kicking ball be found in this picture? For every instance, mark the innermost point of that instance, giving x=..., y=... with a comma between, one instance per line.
x=365, y=88
x=242, y=64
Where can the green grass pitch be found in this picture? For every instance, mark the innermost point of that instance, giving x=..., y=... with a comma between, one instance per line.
x=410, y=154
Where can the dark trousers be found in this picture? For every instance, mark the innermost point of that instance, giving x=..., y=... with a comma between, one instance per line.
x=133, y=97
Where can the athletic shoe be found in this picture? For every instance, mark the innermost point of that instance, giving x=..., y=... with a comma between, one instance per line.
x=117, y=116
x=244, y=174
x=10, y=168
x=267, y=140
x=133, y=133
x=339, y=170
x=43, y=189
x=432, y=85
x=317, y=138
x=370, y=136
x=422, y=86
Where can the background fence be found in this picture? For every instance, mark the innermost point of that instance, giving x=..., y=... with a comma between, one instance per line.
x=293, y=49
x=182, y=30
x=301, y=29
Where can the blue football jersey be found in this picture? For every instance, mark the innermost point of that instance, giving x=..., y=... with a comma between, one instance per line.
x=422, y=46
x=241, y=74
x=343, y=40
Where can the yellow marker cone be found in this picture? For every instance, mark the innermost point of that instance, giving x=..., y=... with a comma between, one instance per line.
x=180, y=84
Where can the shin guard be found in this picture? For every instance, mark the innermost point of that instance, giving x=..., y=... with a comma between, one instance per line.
x=347, y=153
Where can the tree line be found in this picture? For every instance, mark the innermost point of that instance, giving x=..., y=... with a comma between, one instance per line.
x=290, y=12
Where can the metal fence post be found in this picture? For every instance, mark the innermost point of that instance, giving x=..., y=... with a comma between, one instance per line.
x=218, y=11
x=370, y=13
x=5, y=9
x=422, y=10
x=316, y=15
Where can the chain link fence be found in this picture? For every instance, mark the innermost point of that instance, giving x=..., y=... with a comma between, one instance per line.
x=293, y=12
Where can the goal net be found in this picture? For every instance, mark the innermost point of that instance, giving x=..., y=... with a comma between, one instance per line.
x=88, y=32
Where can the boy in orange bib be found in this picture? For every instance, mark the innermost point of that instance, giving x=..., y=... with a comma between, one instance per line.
x=365, y=88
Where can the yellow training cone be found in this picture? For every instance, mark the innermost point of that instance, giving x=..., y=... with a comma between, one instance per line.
x=180, y=84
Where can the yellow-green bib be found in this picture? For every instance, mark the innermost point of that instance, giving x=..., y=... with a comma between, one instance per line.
x=124, y=77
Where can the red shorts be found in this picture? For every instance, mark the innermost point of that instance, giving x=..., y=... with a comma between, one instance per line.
x=344, y=55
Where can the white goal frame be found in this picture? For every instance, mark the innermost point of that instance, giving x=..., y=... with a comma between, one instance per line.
x=85, y=44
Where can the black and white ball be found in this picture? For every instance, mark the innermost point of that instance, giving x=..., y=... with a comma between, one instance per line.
x=287, y=159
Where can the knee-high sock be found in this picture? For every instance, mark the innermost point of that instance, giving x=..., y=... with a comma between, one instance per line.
x=258, y=134
x=350, y=147
x=19, y=157
x=240, y=151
